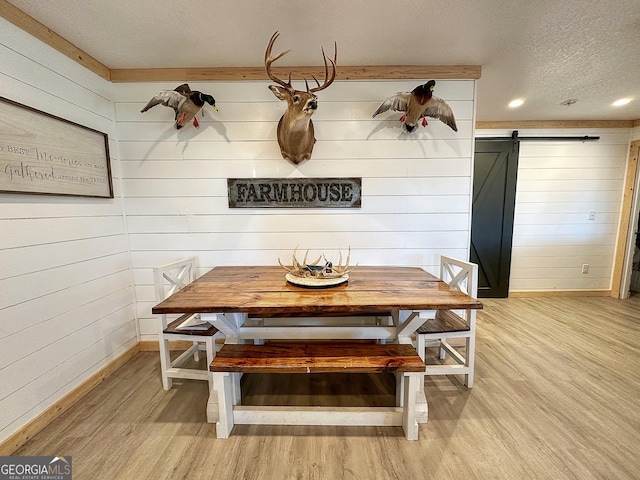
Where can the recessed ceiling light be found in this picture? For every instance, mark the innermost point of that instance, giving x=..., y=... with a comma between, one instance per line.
x=620, y=102
x=516, y=103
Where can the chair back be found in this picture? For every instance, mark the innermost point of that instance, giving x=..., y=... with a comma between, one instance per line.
x=461, y=276
x=170, y=278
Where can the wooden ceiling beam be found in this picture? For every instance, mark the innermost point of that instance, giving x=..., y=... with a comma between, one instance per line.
x=259, y=73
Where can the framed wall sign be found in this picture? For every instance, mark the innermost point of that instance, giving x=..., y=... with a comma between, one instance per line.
x=48, y=155
x=294, y=192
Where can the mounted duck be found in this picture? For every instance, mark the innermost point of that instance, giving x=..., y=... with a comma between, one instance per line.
x=418, y=104
x=184, y=101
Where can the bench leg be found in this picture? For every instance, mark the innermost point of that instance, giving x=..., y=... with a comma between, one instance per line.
x=409, y=420
x=165, y=362
x=470, y=360
x=223, y=386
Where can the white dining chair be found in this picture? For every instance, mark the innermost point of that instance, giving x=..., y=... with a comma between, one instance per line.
x=449, y=325
x=174, y=332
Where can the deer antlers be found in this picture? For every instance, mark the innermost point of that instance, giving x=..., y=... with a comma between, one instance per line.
x=295, y=128
x=313, y=270
x=328, y=78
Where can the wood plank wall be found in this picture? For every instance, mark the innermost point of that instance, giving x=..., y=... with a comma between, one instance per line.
x=558, y=184
x=66, y=300
x=416, y=189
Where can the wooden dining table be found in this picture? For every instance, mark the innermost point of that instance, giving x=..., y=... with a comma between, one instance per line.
x=257, y=303
x=263, y=290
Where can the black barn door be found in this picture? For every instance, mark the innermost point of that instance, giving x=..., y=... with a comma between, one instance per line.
x=494, y=197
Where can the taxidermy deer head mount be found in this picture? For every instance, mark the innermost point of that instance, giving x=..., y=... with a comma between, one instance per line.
x=295, y=129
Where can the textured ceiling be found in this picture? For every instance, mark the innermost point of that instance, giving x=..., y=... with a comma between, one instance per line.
x=542, y=51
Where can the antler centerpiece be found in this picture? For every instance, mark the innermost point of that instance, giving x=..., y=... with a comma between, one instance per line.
x=295, y=129
x=317, y=273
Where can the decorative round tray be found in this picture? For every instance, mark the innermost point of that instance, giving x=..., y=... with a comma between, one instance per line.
x=311, y=282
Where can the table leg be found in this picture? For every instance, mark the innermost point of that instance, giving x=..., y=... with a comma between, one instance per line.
x=213, y=413
x=400, y=380
x=408, y=322
x=422, y=407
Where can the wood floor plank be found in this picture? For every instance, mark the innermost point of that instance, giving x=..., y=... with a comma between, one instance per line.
x=555, y=397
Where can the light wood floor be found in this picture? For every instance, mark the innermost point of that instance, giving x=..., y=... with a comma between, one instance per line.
x=557, y=396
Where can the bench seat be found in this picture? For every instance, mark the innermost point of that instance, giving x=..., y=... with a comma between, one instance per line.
x=173, y=328
x=444, y=321
x=316, y=357
x=321, y=357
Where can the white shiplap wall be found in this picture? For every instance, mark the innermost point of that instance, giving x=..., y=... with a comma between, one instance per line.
x=558, y=184
x=416, y=188
x=66, y=300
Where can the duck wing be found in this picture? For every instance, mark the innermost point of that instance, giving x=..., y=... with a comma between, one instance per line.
x=168, y=98
x=398, y=102
x=438, y=108
x=183, y=89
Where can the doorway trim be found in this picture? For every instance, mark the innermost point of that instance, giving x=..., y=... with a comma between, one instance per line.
x=621, y=275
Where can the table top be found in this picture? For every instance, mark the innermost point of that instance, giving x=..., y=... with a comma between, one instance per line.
x=264, y=291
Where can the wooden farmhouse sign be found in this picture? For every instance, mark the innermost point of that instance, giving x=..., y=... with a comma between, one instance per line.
x=294, y=192
x=44, y=154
